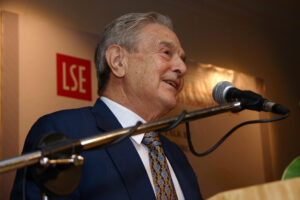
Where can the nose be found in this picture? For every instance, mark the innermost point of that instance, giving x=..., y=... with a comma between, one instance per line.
x=179, y=67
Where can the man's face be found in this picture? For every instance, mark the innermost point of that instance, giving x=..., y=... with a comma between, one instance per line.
x=155, y=72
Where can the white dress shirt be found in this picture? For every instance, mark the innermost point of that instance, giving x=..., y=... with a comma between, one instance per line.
x=128, y=118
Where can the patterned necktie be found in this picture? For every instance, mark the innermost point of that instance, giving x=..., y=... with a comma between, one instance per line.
x=164, y=187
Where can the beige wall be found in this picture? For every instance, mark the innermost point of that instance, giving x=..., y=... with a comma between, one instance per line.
x=234, y=38
x=29, y=78
x=39, y=42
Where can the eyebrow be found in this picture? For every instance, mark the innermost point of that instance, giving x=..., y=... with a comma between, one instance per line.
x=172, y=46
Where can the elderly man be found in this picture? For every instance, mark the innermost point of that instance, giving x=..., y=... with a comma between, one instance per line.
x=140, y=66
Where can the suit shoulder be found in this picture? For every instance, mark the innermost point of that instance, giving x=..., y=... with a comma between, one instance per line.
x=71, y=122
x=66, y=114
x=65, y=120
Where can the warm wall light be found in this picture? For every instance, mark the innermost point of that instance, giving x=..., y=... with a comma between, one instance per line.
x=201, y=79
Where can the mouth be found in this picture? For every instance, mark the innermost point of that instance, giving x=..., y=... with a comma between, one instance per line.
x=172, y=83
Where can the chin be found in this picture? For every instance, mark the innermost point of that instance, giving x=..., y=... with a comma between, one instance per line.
x=171, y=103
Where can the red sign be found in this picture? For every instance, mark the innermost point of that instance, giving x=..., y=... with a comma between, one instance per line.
x=73, y=77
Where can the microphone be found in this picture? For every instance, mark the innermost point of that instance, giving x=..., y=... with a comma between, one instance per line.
x=225, y=92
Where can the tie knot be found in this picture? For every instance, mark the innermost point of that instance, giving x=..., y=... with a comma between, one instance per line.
x=151, y=140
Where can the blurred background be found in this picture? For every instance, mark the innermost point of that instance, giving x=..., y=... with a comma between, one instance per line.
x=257, y=40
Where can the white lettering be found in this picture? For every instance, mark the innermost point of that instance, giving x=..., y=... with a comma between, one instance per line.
x=74, y=88
x=65, y=87
x=81, y=79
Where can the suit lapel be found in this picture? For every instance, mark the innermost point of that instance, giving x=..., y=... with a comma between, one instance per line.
x=124, y=156
x=132, y=170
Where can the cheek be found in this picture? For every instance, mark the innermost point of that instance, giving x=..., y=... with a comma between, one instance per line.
x=152, y=73
x=162, y=65
x=148, y=72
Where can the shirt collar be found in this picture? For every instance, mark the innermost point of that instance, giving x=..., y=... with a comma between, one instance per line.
x=125, y=116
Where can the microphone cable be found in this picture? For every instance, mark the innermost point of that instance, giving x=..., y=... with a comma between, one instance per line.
x=229, y=133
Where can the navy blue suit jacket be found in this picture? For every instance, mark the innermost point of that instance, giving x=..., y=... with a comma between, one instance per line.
x=114, y=173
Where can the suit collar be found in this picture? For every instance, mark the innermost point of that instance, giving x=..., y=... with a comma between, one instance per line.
x=125, y=116
x=105, y=119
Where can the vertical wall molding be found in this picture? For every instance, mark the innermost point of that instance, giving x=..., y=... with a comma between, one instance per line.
x=9, y=95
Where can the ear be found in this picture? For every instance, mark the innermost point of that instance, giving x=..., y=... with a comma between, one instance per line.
x=115, y=60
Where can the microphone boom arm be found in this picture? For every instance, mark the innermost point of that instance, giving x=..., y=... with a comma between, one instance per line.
x=101, y=139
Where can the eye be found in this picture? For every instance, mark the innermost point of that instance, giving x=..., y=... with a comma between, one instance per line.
x=167, y=52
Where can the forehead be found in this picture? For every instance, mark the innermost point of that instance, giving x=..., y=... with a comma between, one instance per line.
x=156, y=34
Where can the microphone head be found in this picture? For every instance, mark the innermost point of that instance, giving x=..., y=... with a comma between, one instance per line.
x=220, y=90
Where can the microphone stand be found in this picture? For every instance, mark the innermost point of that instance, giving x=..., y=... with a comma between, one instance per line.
x=77, y=146
x=100, y=139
